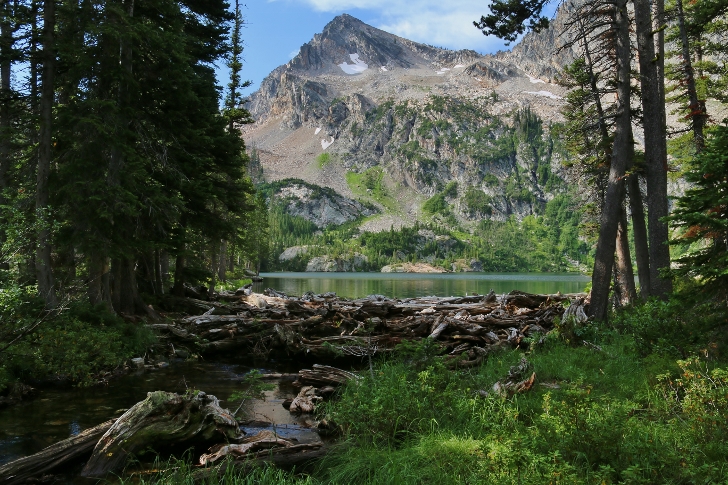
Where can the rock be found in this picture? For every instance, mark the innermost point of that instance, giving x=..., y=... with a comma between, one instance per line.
x=353, y=262
x=320, y=205
x=412, y=268
x=293, y=252
x=181, y=353
x=137, y=362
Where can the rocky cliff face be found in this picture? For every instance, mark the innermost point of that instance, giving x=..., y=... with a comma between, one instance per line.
x=321, y=206
x=543, y=54
x=399, y=123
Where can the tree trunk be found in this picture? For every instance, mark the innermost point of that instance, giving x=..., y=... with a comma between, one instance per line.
x=44, y=271
x=99, y=289
x=158, y=280
x=698, y=114
x=621, y=149
x=179, y=274
x=641, y=252
x=124, y=293
x=6, y=44
x=625, y=274
x=653, y=105
x=222, y=263
x=164, y=269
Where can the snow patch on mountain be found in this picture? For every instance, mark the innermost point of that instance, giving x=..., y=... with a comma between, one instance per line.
x=325, y=144
x=358, y=67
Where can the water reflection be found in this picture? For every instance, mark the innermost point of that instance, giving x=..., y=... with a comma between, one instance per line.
x=409, y=285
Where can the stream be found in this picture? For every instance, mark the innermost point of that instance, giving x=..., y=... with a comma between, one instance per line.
x=58, y=412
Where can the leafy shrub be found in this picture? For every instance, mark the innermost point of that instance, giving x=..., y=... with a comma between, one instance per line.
x=663, y=327
x=435, y=204
x=74, y=344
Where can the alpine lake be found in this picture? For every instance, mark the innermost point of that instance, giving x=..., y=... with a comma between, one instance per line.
x=58, y=411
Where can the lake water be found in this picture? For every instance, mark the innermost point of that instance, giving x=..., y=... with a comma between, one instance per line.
x=411, y=285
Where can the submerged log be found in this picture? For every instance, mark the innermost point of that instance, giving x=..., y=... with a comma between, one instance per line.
x=162, y=419
x=52, y=457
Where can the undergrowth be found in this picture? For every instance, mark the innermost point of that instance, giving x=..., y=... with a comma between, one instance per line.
x=73, y=343
x=627, y=409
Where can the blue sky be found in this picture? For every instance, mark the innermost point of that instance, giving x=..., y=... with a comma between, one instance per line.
x=277, y=28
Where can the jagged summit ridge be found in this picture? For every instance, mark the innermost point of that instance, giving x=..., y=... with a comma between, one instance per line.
x=346, y=36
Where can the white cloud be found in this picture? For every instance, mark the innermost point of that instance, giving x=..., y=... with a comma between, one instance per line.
x=443, y=24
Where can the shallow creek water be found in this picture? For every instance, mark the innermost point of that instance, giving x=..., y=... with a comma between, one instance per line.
x=59, y=412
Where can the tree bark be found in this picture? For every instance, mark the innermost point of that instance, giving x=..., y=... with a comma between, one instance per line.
x=43, y=268
x=625, y=274
x=179, y=274
x=6, y=45
x=698, y=113
x=164, y=269
x=653, y=105
x=99, y=289
x=124, y=292
x=641, y=251
x=606, y=244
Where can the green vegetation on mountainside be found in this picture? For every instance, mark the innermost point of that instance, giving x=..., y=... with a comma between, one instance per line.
x=548, y=242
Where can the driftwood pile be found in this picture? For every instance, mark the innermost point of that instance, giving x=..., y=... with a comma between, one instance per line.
x=325, y=326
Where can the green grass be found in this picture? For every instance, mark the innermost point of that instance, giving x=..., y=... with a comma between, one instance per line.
x=370, y=186
x=323, y=159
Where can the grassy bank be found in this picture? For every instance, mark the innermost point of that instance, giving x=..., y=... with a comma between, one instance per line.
x=645, y=402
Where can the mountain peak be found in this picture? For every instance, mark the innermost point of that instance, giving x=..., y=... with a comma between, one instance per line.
x=344, y=37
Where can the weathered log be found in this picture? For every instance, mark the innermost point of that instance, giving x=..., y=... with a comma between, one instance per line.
x=287, y=458
x=438, y=330
x=263, y=440
x=326, y=375
x=174, y=329
x=49, y=458
x=306, y=401
x=162, y=419
x=516, y=381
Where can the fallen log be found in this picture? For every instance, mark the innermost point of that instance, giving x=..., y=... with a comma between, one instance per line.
x=287, y=458
x=326, y=375
x=52, y=457
x=163, y=418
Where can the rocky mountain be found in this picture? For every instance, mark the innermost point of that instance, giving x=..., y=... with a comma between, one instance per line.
x=417, y=132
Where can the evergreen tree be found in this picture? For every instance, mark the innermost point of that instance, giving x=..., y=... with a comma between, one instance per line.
x=702, y=213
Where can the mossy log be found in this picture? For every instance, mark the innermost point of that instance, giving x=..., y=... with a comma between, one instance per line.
x=46, y=460
x=162, y=419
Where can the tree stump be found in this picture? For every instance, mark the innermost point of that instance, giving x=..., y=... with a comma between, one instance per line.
x=162, y=419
